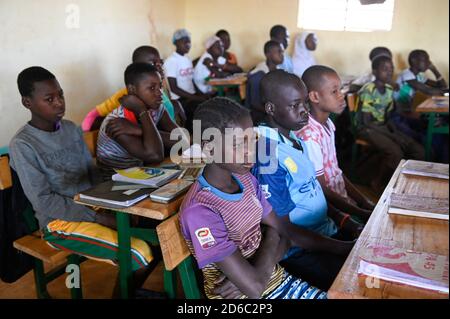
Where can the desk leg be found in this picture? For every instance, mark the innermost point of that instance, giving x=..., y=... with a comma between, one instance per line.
x=124, y=254
x=429, y=141
x=220, y=91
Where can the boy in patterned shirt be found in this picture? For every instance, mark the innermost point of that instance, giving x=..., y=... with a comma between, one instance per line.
x=222, y=213
x=376, y=104
x=326, y=97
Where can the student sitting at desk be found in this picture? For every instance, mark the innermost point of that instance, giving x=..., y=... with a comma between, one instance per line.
x=232, y=62
x=325, y=97
x=144, y=54
x=368, y=77
x=376, y=104
x=210, y=65
x=274, y=58
x=414, y=80
x=288, y=180
x=180, y=75
x=145, y=133
x=229, y=226
x=53, y=165
x=280, y=34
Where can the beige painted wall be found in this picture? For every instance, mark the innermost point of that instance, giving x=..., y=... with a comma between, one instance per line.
x=89, y=61
x=417, y=24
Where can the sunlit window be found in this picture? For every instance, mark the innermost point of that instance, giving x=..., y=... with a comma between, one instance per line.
x=346, y=15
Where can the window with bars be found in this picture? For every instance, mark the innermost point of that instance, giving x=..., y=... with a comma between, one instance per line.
x=346, y=15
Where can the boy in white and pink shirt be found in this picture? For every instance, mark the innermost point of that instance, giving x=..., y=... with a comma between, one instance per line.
x=326, y=97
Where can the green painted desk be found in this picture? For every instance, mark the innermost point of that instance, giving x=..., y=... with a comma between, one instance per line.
x=432, y=106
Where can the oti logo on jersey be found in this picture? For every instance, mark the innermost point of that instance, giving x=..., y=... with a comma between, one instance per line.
x=205, y=238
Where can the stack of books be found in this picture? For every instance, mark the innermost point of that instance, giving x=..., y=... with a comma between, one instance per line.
x=128, y=187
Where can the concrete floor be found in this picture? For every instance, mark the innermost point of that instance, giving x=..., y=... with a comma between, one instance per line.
x=98, y=280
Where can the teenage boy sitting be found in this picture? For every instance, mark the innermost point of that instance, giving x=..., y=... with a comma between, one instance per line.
x=145, y=134
x=53, y=165
x=288, y=178
x=180, y=73
x=274, y=58
x=373, y=120
x=325, y=97
x=414, y=79
x=230, y=227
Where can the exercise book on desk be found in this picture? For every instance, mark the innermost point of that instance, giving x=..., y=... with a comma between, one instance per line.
x=427, y=169
x=154, y=177
x=416, y=206
x=404, y=266
x=103, y=195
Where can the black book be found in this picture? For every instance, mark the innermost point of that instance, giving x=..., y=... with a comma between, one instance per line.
x=103, y=195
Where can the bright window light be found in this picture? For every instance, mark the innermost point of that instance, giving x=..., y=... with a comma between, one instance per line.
x=345, y=15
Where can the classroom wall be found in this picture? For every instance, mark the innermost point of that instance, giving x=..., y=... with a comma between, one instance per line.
x=88, y=61
x=417, y=24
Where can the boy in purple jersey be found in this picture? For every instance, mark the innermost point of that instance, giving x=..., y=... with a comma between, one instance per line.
x=221, y=218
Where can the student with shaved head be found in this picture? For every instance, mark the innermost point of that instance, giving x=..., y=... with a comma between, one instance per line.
x=291, y=186
x=325, y=97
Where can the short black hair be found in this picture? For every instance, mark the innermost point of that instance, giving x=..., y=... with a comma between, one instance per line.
x=220, y=113
x=272, y=82
x=415, y=54
x=276, y=30
x=376, y=63
x=379, y=51
x=313, y=76
x=31, y=75
x=143, y=50
x=135, y=71
x=269, y=45
x=222, y=32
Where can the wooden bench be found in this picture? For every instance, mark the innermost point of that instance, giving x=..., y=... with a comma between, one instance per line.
x=35, y=246
x=38, y=248
x=5, y=173
x=176, y=256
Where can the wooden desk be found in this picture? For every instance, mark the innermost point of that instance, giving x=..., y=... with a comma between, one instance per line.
x=430, y=106
x=148, y=209
x=231, y=81
x=420, y=234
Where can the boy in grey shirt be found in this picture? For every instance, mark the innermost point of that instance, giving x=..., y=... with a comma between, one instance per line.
x=53, y=164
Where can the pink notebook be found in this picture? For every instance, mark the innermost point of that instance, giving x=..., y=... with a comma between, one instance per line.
x=418, y=269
